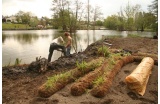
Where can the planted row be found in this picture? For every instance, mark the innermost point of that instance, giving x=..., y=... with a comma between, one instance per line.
x=100, y=89
x=79, y=87
x=57, y=82
x=97, y=76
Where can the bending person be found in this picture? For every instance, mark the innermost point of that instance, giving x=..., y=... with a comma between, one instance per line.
x=56, y=45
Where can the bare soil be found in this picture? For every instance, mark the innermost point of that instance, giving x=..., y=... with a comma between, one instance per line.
x=19, y=85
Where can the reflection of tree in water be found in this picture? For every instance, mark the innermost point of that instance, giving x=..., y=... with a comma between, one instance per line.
x=76, y=44
x=94, y=38
x=57, y=34
x=3, y=38
x=88, y=37
x=23, y=38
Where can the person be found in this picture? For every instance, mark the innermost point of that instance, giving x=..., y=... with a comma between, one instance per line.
x=68, y=44
x=56, y=45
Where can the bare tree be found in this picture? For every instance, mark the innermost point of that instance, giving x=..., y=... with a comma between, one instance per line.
x=96, y=15
x=88, y=8
x=129, y=13
x=59, y=7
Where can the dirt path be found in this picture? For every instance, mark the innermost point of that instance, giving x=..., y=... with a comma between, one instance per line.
x=21, y=87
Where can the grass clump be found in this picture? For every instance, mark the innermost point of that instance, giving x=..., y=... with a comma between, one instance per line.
x=98, y=81
x=57, y=78
x=18, y=61
x=82, y=65
x=104, y=51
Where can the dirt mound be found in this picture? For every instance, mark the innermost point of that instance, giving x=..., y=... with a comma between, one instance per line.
x=20, y=85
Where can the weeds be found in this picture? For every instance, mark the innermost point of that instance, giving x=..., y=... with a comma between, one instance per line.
x=18, y=61
x=104, y=51
x=98, y=81
x=82, y=65
x=54, y=79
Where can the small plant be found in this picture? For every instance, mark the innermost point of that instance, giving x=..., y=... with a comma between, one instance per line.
x=17, y=61
x=82, y=65
x=98, y=81
x=54, y=79
x=104, y=51
x=112, y=61
x=127, y=54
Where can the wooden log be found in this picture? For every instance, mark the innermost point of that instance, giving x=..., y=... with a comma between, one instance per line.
x=138, y=79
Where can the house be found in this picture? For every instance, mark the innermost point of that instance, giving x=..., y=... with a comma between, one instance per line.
x=11, y=19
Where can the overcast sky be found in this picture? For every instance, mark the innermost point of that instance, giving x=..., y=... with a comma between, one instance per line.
x=42, y=7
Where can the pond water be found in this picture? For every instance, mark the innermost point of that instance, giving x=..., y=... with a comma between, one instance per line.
x=26, y=45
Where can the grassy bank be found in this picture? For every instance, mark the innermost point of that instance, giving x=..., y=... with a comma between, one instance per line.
x=10, y=26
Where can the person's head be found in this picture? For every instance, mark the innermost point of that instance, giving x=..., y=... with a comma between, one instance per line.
x=60, y=39
x=66, y=34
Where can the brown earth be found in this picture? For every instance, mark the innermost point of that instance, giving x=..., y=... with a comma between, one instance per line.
x=19, y=85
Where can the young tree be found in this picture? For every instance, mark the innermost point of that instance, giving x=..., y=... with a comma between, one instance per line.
x=34, y=21
x=111, y=22
x=153, y=8
x=59, y=8
x=121, y=21
x=129, y=15
x=139, y=21
x=23, y=17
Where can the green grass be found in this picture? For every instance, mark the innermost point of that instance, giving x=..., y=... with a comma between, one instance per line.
x=55, y=78
x=82, y=65
x=98, y=81
x=18, y=61
x=133, y=35
x=7, y=26
x=66, y=76
x=104, y=51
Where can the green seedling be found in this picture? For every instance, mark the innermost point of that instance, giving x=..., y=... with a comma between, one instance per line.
x=104, y=51
x=98, y=81
x=17, y=61
x=56, y=78
x=82, y=65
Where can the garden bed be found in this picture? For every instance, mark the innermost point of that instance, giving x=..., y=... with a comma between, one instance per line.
x=18, y=81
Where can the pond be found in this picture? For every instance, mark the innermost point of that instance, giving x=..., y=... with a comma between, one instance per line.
x=26, y=45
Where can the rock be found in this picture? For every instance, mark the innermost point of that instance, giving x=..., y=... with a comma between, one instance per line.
x=40, y=65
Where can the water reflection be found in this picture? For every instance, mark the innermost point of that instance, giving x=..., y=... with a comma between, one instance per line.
x=27, y=45
x=23, y=38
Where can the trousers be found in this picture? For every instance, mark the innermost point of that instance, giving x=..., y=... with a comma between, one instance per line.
x=55, y=46
x=68, y=49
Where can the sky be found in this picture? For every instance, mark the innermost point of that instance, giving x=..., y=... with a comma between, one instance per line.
x=42, y=7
